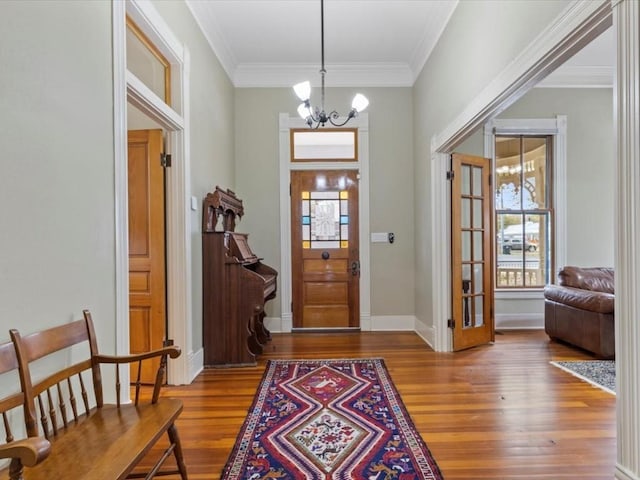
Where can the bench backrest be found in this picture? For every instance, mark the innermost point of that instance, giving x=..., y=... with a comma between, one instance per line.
x=65, y=394
x=54, y=399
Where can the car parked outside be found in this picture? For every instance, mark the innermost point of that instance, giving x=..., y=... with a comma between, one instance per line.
x=515, y=243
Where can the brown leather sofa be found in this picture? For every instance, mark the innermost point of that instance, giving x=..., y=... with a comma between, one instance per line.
x=579, y=310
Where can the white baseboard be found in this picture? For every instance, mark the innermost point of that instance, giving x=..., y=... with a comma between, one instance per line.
x=196, y=364
x=623, y=473
x=520, y=321
x=426, y=332
x=380, y=323
x=275, y=325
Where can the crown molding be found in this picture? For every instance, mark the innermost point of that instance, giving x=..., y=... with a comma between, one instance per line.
x=209, y=28
x=352, y=75
x=284, y=75
x=432, y=32
x=367, y=75
x=579, y=77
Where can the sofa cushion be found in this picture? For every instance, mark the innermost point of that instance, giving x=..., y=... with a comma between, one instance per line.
x=598, y=279
x=599, y=302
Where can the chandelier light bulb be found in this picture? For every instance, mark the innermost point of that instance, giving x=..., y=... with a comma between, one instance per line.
x=360, y=102
x=303, y=111
x=303, y=91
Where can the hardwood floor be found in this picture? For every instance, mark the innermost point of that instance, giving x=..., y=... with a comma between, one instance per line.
x=498, y=411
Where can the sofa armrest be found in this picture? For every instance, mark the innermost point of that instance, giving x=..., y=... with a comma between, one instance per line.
x=599, y=302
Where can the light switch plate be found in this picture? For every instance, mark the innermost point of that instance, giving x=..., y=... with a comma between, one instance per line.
x=194, y=203
x=379, y=237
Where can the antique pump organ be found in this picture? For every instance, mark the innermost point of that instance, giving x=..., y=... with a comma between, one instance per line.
x=236, y=286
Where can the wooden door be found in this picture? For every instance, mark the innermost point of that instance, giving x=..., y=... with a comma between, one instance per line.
x=471, y=257
x=325, y=250
x=147, y=292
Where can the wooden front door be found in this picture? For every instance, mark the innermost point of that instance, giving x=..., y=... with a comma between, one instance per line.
x=147, y=292
x=325, y=250
x=471, y=247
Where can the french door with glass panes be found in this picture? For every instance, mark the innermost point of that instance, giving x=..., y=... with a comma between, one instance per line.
x=471, y=257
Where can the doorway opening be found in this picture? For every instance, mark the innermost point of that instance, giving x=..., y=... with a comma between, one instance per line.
x=129, y=88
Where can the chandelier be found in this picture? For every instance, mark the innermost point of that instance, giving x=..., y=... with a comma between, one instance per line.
x=316, y=116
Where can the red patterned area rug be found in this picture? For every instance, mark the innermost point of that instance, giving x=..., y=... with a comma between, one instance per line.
x=329, y=420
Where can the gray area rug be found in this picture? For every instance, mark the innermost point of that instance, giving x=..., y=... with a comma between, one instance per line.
x=601, y=373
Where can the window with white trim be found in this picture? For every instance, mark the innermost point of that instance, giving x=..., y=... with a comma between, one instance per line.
x=529, y=178
x=523, y=209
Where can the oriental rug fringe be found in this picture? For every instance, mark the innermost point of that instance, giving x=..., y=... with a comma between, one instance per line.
x=329, y=420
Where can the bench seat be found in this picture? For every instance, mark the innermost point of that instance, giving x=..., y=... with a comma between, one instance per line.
x=109, y=442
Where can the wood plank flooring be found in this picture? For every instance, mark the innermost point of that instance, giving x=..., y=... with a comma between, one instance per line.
x=498, y=411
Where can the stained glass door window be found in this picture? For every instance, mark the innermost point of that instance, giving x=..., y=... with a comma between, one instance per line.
x=325, y=219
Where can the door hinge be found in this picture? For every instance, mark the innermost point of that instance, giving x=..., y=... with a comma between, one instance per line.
x=165, y=160
x=450, y=175
x=490, y=179
x=451, y=324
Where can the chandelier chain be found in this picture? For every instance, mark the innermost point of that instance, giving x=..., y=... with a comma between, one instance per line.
x=317, y=117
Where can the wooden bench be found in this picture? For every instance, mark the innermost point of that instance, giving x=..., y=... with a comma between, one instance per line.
x=71, y=432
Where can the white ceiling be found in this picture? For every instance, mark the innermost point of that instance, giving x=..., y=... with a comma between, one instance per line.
x=275, y=43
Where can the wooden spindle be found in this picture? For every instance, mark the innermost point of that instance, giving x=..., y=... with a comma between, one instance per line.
x=43, y=418
x=72, y=400
x=118, y=384
x=62, y=406
x=7, y=428
x=138, y=382
x=83, y=391
x=52, y=413
x=159, y=378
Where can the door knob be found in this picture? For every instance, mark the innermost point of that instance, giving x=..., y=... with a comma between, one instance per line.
x=325, y=255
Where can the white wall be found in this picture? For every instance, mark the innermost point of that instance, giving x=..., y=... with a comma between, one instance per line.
x=391, y=188
x=57, y=176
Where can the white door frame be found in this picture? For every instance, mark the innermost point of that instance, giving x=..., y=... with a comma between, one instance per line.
x=129, y=88
x=361, y=122
x=580, y=23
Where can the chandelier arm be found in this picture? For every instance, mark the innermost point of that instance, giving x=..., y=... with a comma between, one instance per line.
x=335, y=115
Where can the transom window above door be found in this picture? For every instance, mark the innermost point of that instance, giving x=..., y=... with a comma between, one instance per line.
x=329, y=144
x=146, y=62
